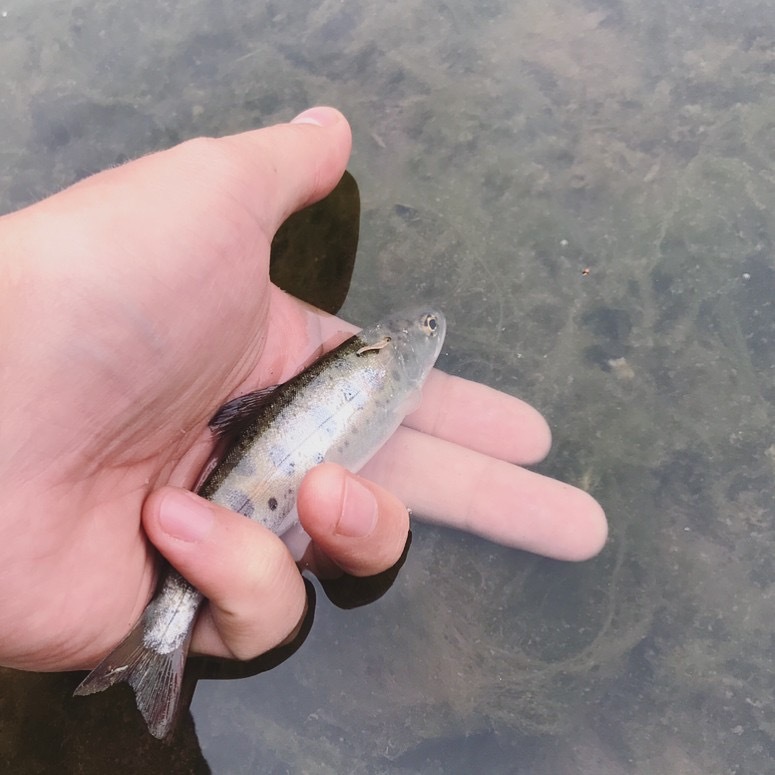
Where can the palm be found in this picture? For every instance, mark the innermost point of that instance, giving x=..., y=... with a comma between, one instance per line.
x=134, y=389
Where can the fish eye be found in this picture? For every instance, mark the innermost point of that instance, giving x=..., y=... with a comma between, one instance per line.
x=429, y=324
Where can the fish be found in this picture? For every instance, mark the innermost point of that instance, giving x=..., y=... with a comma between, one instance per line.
x=341, y=409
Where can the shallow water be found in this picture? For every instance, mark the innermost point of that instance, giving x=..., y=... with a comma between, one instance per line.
x=587, y=189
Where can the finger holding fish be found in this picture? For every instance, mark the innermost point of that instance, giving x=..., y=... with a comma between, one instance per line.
x=256, y=595
x=356, y=526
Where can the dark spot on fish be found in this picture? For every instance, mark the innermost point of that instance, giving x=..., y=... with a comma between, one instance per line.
x=272, y=503
x=319, y=458
x=395, y=375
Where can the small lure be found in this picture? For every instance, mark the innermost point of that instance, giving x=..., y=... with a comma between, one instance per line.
x=341, y=409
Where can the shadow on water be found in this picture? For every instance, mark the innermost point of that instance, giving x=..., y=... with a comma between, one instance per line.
x=313, y=253
x=46, y=730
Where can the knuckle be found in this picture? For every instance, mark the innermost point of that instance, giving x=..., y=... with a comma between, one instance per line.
x=268, y=606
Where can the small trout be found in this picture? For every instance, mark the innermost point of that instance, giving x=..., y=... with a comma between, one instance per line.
x=341, y=409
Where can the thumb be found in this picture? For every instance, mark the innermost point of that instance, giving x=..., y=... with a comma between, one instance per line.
x=277, y=170
x=308, y=158
x=257, y=177
x=255, y=592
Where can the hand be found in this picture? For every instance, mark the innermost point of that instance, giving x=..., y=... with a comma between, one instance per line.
x=132, y=305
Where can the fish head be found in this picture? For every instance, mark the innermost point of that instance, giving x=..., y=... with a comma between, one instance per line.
x=414, y=339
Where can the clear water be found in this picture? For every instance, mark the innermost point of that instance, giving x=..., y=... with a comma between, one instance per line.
x=587, y=188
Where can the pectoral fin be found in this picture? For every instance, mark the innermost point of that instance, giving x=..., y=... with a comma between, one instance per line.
x=235, y=415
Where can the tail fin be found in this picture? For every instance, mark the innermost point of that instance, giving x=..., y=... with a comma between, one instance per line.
x=155, y=677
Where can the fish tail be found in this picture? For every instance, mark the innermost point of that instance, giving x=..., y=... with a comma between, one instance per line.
x=155, y=677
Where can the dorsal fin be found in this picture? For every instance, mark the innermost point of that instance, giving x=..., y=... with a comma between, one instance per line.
x=236, y=414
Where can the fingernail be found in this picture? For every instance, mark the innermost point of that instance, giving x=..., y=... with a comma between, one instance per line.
x=185, y=516
x=359, y=510
x=320, y=116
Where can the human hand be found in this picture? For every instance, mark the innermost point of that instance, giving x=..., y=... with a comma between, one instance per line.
x=135, y=303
